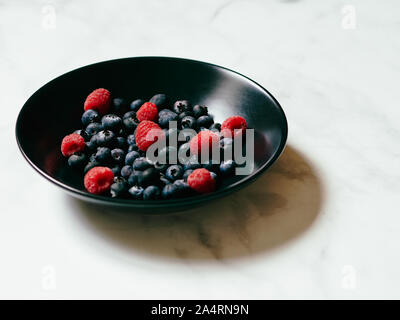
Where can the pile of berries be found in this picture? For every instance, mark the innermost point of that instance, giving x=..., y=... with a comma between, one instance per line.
x=111, y=148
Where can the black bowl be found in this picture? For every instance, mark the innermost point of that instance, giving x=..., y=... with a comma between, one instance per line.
x=55, y=110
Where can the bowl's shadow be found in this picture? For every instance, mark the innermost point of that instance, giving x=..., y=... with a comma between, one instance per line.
x=276, y=208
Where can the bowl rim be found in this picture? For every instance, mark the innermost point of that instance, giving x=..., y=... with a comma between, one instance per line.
x=158, y=203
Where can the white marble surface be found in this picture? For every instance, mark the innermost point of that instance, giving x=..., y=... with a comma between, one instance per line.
x=323, y=223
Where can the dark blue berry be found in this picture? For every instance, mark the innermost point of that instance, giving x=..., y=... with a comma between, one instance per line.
x=111, y=122
x=133, y=147
x=134, y=177
x=165, y=116
x=103, y=155
x=216, y=127
x=149, y=177
x=210, y=166
x=131, y=157
x=186, y=174
x=170, y=191
x=136, y=192
x=164, y=180
x=90, y=116
x=226, y=146
x=92, y=143
x=106, y=138
x=227, y=168
x=160, y=100
x=185, y=114
x=161, y=167
x=173, y=134
x=116, y=170
x=174, y=172
x=141, y=163
x=151, y=193
x=136, y=104
x=130, y=123
x=168, y=154
x=129, y=114
x=120, y=142
x=189, y=123
x=205, y=121
x=118, y=155
x=91, y=164
x=126, y=171
x=183, y=189
x=192, y=163
x=184, y=150
x=119, y=188
x=77, y=160
x=119, y=105
x=182, y=106
x=93, y=128
x=214, y=176
x=83, y=134
x=131, y=139
x=199, y=110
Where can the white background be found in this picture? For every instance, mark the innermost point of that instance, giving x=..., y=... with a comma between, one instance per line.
x=324, y=222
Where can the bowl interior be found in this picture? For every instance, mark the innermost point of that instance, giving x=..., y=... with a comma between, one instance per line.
x=56, y=108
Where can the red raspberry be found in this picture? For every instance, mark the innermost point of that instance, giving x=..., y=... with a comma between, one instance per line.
x=72, y=143
x=98, y=180
x=201, y=181
x=147, y=132
x=232, y=123
x=148, y=111
x=99, y=99
x=201, y=140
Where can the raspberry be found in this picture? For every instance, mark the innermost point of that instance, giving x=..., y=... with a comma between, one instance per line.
x=71, y=144
x=202, y=140
x=98, y=180
x=201, y=181
x=232, y=123
x=99, y=99
x=148, y=111
x=147, y=132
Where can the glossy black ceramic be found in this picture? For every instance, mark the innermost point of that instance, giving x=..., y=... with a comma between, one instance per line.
x=55, y=110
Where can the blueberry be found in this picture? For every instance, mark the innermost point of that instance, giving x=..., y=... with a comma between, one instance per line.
x=131, y=157
x=205, y=121
x=183, y=189
x=168, y=154
x=160, y=100
x=161, y=167
x=129, y=114
x=106, y=138
x=182, y=106
x=192, y=163
x=214, y=176
x=184, y=150
x=164, y=180
x=174, y=172
x=149, y=177
x=83, y=134
x=90, y=116
x=103, y=155
x=130, y=123
x=189, y=123
x=151, y=193
x=136, y=104
x=116, y=170
x=141, y=163
x=170, y=191
x=126, y=171
x=133, y=147
x=172, y=133
x=185, y=114
x=118, y=155
x=187, y=173
x=77, y=160
x=119, y=188
x=93, y=128
x=199, y=110
x=120, y=142
x=90, y=165
x=119, y=105
x=165, y=117
x=111, y=122
x=216, y=127
x=136, y=192
x=227, y=168
x=131, y=139
x=226, y=146
x=92, y=143
x=134, y=177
